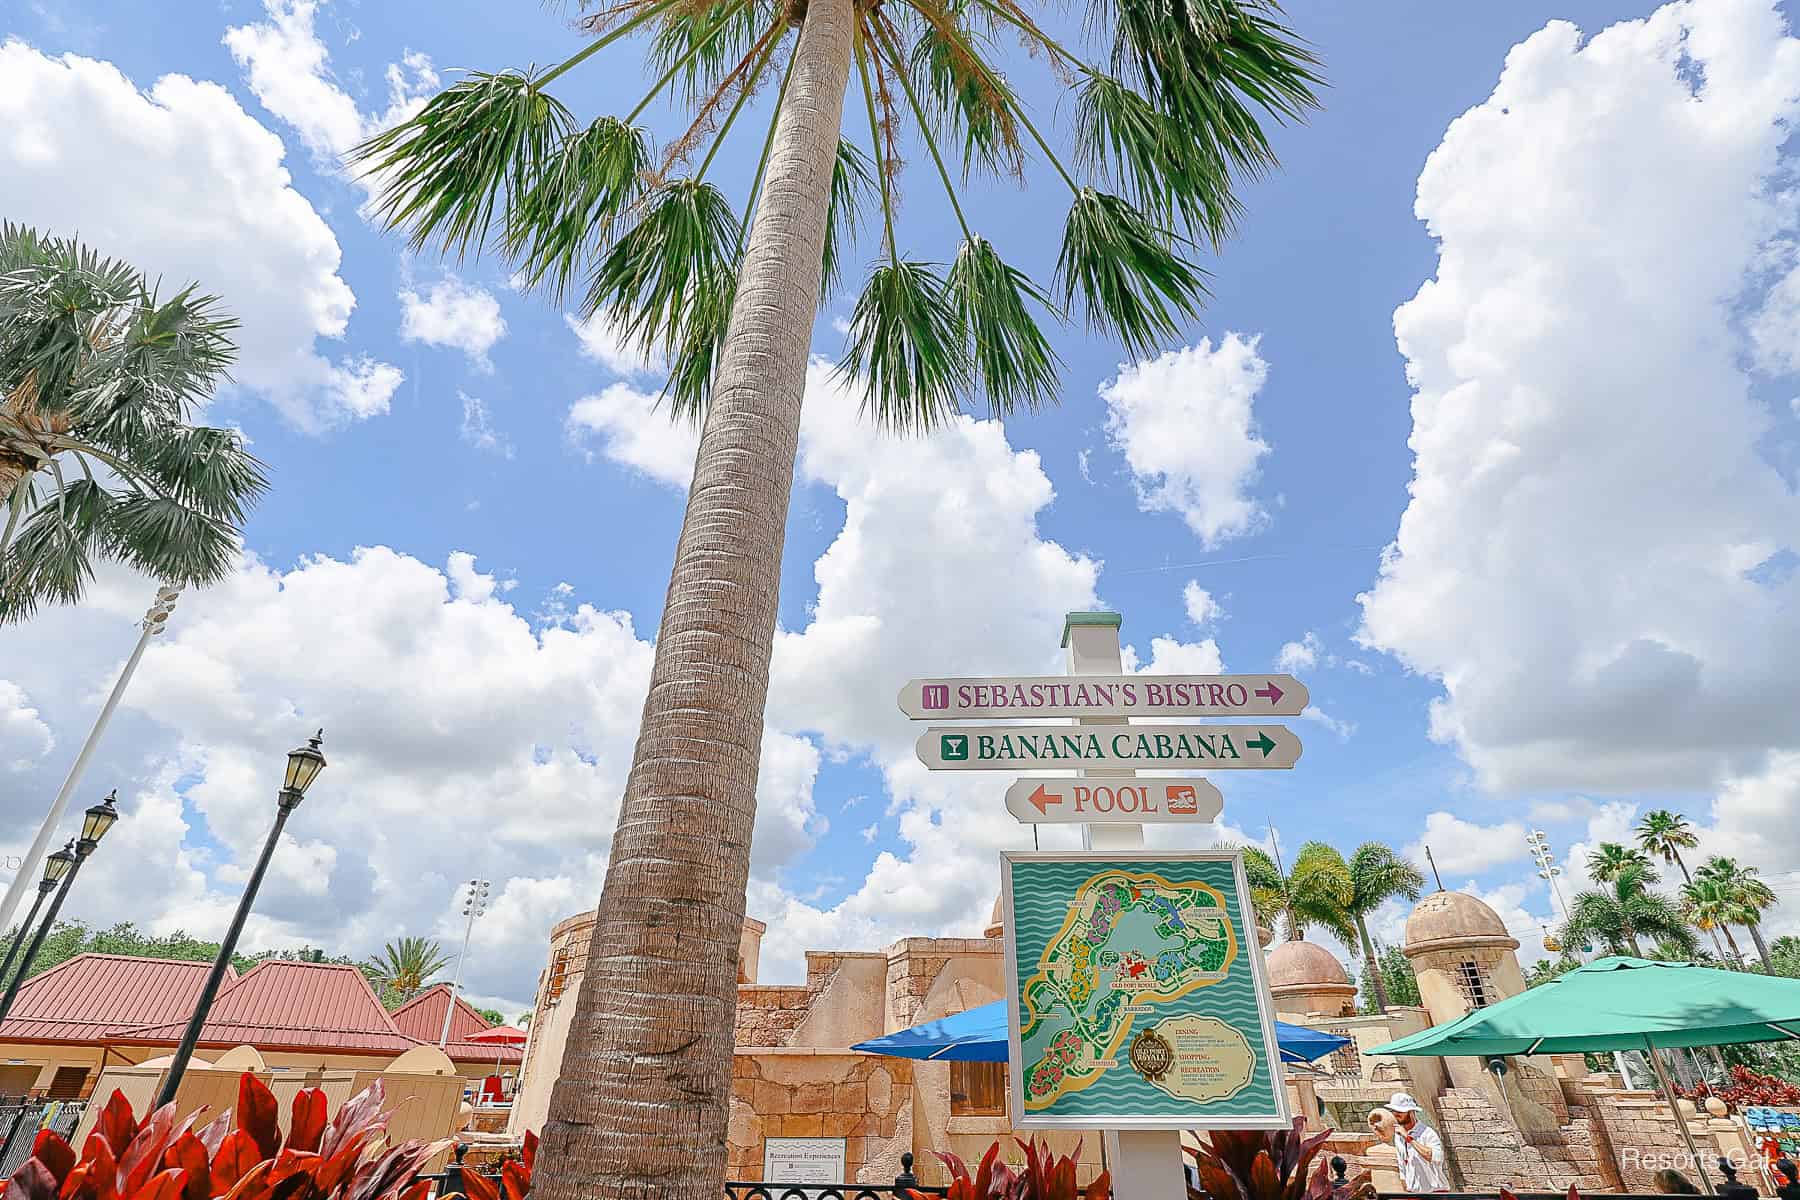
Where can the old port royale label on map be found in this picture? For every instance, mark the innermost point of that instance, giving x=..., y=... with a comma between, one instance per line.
x=1104, y=696
x=1137, y=1000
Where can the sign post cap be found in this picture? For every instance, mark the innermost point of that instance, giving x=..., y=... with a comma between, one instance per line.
x=1089, y=618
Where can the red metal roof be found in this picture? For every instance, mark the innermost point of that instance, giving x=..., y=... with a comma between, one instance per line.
x=93, y=996
x=422, y=1017
x=292, y=1006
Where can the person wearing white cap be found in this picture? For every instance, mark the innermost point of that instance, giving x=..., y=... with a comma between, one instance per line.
x=1418, y=1147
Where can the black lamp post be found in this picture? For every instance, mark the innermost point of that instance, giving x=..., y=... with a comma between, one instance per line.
x=55, y=867
x=94, y=823
x=303, y=765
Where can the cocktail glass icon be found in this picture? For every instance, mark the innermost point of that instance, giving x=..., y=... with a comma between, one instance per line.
x=936, y=695
x=1183, y=799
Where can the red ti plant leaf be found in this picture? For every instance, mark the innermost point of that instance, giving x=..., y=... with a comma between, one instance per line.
x=477, y=1186
x=308, y=1125
x=140, y=1159
x=1101, y=1188
x=1265, y=1180
x=339, y=1165
x=292, y=1162
x=55, y=1153
x=212, y=1134
x=32, y=1181
x=165, y=1185
x=528, y=1152
x=253, y=1186
x=101, y=1180
x=237, y=1154
x=418, y=1191
x=187, y=1153
x=360, y=1112
x=299, y=1186
x=117, y=1124
x=515, y=1180
x=258, y=1114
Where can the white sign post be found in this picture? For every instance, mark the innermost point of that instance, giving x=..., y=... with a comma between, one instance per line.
x=1146, y=1164
x=1114, y=802
x=804, y=1160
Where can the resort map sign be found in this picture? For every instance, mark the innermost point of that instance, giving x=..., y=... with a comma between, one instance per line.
x=1104, y=696
x=1136, y=994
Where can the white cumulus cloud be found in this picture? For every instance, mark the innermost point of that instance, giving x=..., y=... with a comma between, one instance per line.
x=627, y=427
x=1186, y=426
x=1576, y=563
x=454, y=315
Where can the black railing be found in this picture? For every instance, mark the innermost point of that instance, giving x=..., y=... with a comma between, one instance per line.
x=21, y=1122
x=745, y=1190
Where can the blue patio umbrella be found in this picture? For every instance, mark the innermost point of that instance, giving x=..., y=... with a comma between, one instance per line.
x=979, y=1035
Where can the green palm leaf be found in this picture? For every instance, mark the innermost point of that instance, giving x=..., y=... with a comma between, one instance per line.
x=907, y=342
x=1128, y=279
x=1013, y=360
x=853, y=189
x=570, y=205
x=707, y=319
x=685, y=234
x=479, y=143
x=963, y=97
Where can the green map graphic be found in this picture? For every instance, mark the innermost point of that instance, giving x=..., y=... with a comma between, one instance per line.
x=1134, y=993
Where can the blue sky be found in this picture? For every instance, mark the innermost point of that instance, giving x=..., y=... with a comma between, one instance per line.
x=1594, y=573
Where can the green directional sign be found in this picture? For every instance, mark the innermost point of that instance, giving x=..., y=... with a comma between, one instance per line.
x=1145, y=747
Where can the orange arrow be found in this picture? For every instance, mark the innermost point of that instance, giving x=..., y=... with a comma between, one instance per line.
x=1042, y=800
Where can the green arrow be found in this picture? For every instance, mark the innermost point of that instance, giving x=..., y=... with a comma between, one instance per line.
x=1262, y=741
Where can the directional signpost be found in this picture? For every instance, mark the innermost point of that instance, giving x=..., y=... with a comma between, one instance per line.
x=1200, y=1060
x=1135, y=801
x=1109, y=747
x=1157, y=696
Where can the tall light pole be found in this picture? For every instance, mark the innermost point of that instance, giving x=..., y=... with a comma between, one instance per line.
x=55, y=867
x=303, y=765
x=94, y=824
x=152, y=624
x=475, y=899
x=1541, y=854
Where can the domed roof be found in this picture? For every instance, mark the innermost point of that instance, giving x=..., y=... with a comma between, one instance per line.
x=1304, y=965
x=996, y=926
x=1456, y=918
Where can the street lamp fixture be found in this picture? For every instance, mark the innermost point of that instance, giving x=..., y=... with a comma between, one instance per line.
x=60, y=870
x=303, y=766
x=55, y=867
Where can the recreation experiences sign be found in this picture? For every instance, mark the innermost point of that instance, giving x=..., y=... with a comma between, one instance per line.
x=1170, y=747
x=1104, y=696
x=1136, y=996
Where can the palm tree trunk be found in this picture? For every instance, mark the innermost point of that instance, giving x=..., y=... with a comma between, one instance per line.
x=1637, y=951
x=1368, y=949
x=640, y=1108
x=1762, y=949
x=1737, y=956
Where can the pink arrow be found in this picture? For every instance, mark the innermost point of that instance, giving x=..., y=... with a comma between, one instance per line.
x=1271, y=693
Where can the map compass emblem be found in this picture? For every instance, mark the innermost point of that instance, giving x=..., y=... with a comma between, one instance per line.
x=1151, y=1055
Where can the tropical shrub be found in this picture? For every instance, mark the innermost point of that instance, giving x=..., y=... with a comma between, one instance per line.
x=241, y=1155
x=1046, y=1176
x=1746, y=1087
x=1269, y=1164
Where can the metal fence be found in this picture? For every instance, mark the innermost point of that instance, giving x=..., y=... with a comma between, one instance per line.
x=743, y=1190
x=21, y=1123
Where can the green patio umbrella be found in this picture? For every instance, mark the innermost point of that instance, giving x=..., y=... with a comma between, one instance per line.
x=1623, y=1003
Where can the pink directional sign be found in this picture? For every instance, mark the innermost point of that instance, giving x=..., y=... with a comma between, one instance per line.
x=1160, y=696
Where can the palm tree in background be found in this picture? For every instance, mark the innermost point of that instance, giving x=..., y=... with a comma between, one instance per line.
x=1166, y=120
x=1340, y=893
x=406, y=967
x=1624, y=910
x=1272, y=894
x=1747, y=894
x=1610, y=859
x=1665, y=835
x=99, y=379
x=1710, y=905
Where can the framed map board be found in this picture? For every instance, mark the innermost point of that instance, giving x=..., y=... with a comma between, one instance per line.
x=1135, y=994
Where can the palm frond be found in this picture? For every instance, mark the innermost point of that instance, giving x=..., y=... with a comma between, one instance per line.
x=1012, y=359
x=702, y=41
x=964, y=96
x=1156, y=163
x=908, y=344
x=852, y=190
x=568, y=208
x=685, y=233
x=689, y=386
x=1129, y=280
x=169, y=540
x=51, y=556
x=478, y=144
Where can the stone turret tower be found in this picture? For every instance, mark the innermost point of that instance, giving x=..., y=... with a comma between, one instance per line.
x=1307, y=980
